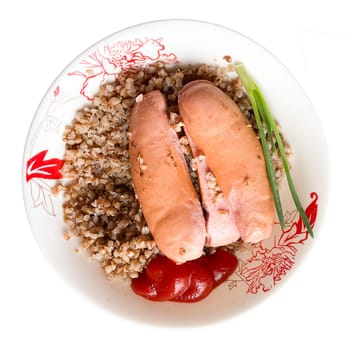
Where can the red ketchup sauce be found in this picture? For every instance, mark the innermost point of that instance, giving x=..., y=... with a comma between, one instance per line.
x=189, y=282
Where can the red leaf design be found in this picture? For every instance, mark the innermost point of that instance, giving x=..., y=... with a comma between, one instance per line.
x=297, y=233
x=56, y=91
x=311, y=210
x=292, y=236
x=38, y=167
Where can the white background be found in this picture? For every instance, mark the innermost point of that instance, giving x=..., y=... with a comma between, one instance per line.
x=38, y=310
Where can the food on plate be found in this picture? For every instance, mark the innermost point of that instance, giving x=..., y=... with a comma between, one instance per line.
x=162, y=182
x=163, y=280
x=101, y=207
x=217, y=127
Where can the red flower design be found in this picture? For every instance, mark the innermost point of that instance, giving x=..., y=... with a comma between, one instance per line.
x=38, y=167
x=268, y=265
x=117, y=56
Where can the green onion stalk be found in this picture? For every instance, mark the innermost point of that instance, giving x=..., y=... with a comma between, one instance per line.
x=265, y=121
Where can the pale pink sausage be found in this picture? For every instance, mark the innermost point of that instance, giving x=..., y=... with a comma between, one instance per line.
x=168, y=199
x=233, y=153
x=220, y=223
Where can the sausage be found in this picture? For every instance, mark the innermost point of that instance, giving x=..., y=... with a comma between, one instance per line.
x=222, y=133
x=162, y=183
x=220, y=223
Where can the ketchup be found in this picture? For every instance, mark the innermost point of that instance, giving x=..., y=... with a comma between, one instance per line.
x=201, y=283
x=222, y=264
x=189, y=282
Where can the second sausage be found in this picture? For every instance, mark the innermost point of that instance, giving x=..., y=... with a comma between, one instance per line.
x=222, y=133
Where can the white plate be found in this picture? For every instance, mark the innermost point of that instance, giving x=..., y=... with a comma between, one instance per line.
x=261, y=269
